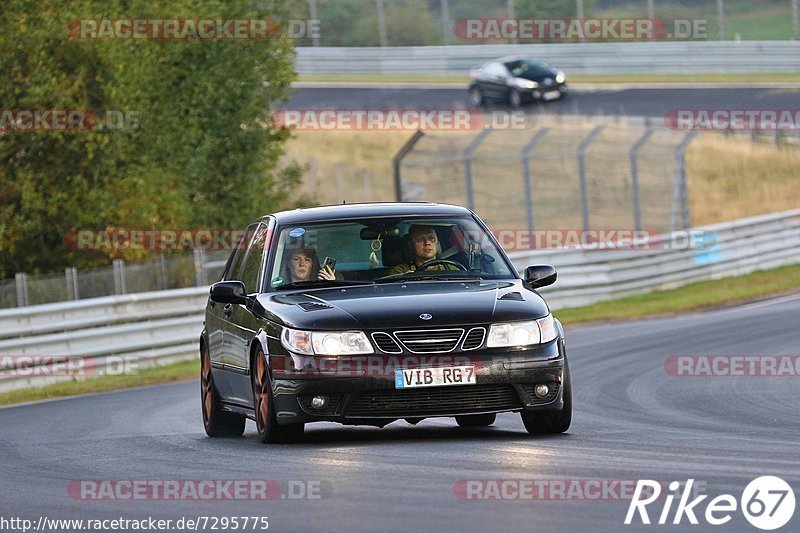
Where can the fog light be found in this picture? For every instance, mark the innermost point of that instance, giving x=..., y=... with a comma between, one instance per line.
x=318, y=402
x=541, y=390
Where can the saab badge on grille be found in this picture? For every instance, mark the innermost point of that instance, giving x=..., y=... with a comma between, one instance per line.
x=425, y=316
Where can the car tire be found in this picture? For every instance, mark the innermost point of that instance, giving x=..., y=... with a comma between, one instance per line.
x=476, y=97
x=216, y=421
x=515, y=98
x=264, y=407
x=552, y=422
x=476, y=421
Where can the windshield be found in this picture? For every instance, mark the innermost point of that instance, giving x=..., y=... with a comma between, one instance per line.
x=525, y=66
x=385, y=250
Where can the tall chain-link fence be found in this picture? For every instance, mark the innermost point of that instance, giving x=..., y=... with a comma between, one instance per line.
x=559, y=174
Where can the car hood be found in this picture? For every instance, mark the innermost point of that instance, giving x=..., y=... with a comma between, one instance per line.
x=394, y=305
x=539, y=75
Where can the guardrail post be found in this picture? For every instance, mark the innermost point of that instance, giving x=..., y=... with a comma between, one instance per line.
x=71, y=274
x=637, y=206
x=312, y=12
x=118, y=266
x=680, y=200
x=21, y=279
x=199, y=267
x=398, y=160
x=163, y=264
x=526, y=173
x=585, y=143
x=468, y=155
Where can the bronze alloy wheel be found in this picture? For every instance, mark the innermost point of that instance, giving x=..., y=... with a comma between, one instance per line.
x=264, y=409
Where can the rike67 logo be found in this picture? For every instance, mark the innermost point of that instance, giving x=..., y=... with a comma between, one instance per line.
x=767, y=503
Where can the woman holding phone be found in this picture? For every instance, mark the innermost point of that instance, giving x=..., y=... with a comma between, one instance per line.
x=303, y=265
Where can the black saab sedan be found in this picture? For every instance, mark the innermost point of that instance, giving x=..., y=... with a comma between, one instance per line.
x=516, y=80
x=371, y=313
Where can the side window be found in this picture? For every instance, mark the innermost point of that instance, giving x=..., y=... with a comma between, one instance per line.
x=235, y=262
x=252, y=262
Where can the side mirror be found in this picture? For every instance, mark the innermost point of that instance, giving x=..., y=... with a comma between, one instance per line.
x=540, y=275
x=228, y=292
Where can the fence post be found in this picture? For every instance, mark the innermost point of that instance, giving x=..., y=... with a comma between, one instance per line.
x=680, y=199
x=468, y=154
x=312, y=12
x=21, y=279
x=526, y=174
x=163, y=264
x=637, y=205
x=118, y=266
x=71, y=274
x=582, y=173
x=199, y=267
x=397, y=160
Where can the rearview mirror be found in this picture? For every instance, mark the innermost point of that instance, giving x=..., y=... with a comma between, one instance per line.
x=540, y=275
x=228, y=292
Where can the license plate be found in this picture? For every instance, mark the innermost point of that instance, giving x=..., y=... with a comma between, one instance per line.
x=410, y=378
x=552, y=95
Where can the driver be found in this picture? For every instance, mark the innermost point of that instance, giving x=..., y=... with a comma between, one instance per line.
x=424, y=245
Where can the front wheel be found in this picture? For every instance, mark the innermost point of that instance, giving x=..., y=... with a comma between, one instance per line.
x=266, y=422
x=551, y=422
x=217, y=423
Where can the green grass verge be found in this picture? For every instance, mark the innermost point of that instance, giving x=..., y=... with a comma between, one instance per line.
x=706, y=294
x=697, y=296
x=175, y=372
x=575, y=78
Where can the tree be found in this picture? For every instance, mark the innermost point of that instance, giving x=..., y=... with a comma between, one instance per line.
x=204, y=152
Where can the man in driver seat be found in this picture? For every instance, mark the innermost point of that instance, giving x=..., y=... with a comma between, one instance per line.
x=424, y=244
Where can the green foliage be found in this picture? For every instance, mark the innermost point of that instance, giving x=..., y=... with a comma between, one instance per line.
x=204, y=153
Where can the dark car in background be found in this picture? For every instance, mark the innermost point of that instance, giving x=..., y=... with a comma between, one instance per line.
x=516, y=80
x=460, y=335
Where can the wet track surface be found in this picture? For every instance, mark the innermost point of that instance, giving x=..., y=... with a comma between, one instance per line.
x=632, y=420
x=648, y=102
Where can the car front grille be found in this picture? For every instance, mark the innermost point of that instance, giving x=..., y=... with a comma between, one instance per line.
x=430, y=340
x=474, y=339
x=386, y=343
x=433, y=401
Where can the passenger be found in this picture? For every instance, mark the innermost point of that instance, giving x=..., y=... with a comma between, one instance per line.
x=303, y=265
x=424, y=244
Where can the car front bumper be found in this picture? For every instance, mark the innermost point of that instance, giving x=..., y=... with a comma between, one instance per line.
x=361, y=389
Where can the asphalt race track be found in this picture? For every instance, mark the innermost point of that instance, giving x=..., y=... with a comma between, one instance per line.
x=650, y=102
x=632, y=421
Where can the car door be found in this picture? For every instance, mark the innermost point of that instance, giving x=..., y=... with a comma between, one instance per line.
x=495, y=81
x=221, y=360
x=242, y=325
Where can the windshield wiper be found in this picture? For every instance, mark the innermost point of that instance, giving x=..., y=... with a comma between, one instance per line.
x=320, y=283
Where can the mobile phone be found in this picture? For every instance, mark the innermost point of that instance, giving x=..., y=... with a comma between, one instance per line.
x=329, y=262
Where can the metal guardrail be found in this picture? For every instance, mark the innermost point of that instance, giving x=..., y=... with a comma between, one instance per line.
x=164, y=326
x=679, y=57
x=586, y=276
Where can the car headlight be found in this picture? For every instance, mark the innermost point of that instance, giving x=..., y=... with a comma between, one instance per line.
x=522, y=333
x=561, y=77
x=326, y=342
x=525, y=84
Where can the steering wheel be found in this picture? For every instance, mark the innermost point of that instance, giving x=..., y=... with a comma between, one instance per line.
x=426, y=264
